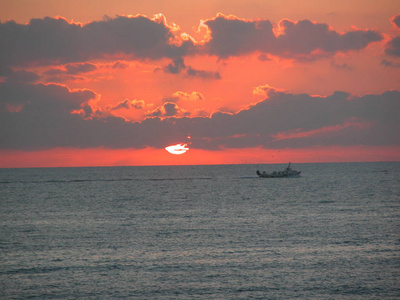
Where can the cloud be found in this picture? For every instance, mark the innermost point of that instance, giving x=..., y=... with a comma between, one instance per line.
x=304, y=121
x=17, y=76
x=44, y=96
x=231, y=36
x=338, y=119
x=119, y=65
x=265, y=90
x=304, y=37
x=393, y=47
x=59, y=41
x=22, y=76
x=203, y=74
x=299, y=134
x=71, y=69
x=388, y=63
x=168, y=109
x=56, y=40
x=39, y=116
x=45, y=116
x=264, y=57
x=128, y=104
x=69, y=72
x=177, y=66
x=343, y=66
x=182, y=96
x=396, y=21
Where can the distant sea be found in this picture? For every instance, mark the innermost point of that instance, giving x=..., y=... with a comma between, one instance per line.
x=201, y=232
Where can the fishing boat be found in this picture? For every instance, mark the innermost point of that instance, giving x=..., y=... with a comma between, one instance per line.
x=288, y=172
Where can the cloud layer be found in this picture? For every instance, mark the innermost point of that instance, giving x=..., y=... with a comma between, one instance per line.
x=393, y=46
x=231, y=36
x=57, y=40
x=37, y=116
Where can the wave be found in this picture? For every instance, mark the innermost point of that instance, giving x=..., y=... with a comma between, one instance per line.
x=102, y=180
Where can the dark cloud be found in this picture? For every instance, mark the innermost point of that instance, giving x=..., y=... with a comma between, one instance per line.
x=339, y=66
x=52, y=40
x=168, y=109
x=334, y=120
x=388, y=63
x=178, y=66
x=119, y=65
x=304, y=37
x=128, y=104
x=58, y=41
x=46, y=116
x=72, y=69
x=5, y=71
x=22, y=76
x=18, y=76
x=231, y=36
x=43, y=118
x=44, y=96
x=38, y=116
x=64, y=77
x=393, y=47
x=396, y=21
x=203, y=74
x=171, y=109
x=264, y=57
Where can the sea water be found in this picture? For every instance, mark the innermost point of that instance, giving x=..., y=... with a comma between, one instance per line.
x=201, y=232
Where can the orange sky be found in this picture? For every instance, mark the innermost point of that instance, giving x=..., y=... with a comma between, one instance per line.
x=81, y=89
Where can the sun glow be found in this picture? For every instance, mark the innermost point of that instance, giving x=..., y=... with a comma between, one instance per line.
x=177, y=149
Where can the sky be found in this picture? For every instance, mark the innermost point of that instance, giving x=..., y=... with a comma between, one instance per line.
x=100, y=83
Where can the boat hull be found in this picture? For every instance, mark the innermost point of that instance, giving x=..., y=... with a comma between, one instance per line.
x=297, y=174
x=288, y=172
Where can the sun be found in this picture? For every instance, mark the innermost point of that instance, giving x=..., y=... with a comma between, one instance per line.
x=177, y=149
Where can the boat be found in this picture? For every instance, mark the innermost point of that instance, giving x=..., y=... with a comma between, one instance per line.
x=288, y=172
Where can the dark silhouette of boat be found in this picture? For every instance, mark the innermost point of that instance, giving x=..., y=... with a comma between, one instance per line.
x=288, y=172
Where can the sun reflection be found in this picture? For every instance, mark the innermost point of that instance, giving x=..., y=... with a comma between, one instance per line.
x=177, y=149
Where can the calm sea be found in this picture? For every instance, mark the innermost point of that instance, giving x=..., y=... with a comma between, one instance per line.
x=201, y=232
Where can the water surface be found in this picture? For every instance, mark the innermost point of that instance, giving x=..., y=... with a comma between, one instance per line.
x=201, y=232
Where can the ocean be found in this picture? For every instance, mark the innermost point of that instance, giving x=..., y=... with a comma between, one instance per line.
x=201, y=232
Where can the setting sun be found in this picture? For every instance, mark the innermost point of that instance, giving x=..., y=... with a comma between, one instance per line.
x=177, y=149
